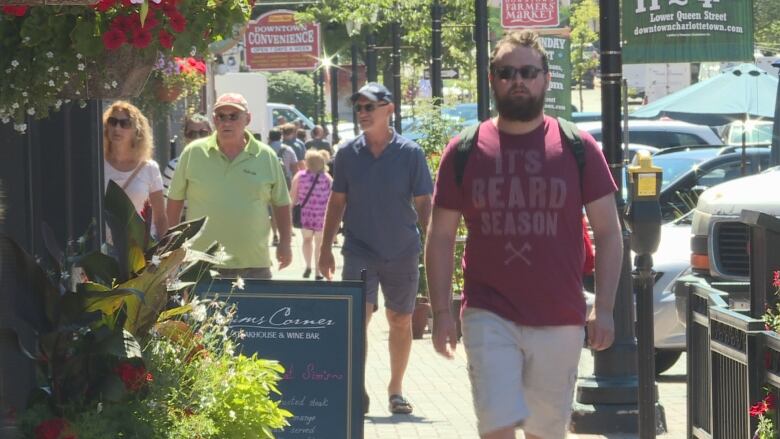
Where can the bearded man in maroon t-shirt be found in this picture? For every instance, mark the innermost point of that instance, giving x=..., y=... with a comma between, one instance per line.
x=521, y=196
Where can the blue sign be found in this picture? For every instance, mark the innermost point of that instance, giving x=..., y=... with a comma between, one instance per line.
x=316, y=331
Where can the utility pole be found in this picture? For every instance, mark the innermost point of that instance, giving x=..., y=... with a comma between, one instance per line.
x=436, y=81
x=334, y=99
x=315, y=77
x=776, y=127
x=481, y=40
x=371, y=57
x=607, y=400
x=396, y=33
x=354, y=53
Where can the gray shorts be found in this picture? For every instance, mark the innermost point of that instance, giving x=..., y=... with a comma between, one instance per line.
x=399, y=279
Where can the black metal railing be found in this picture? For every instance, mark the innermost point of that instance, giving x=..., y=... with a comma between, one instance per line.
x=701, y=299
x=732, y=358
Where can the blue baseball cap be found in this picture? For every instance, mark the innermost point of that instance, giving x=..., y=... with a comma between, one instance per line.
x=373, y=91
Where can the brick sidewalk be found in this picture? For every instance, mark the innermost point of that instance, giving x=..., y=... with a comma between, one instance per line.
x=439, y=388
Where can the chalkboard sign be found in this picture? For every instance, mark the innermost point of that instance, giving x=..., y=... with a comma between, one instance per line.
x=316, y=331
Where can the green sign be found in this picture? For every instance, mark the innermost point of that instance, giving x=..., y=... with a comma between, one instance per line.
x=557, y=101
x=671, y=31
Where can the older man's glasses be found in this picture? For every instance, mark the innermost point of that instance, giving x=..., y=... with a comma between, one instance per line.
x=367, y=107
x=197, y=134
x=224, y=117
x=124, y=123
x=506, y=73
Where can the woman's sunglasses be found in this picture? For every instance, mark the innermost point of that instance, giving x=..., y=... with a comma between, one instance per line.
x=197, y=134
x=368, y=107
x=511, y=72
x=124, y=123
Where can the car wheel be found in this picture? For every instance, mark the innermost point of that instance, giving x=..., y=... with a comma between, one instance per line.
x=665, y=359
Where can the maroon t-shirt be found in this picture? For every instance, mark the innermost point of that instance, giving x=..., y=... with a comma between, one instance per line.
x=522, y=203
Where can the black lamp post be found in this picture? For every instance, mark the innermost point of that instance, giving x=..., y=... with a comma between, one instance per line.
x=776, y=127
x=395, y=30
x=436, y=81
x=334, y=98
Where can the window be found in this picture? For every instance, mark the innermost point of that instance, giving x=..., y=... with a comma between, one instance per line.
x=721, y=173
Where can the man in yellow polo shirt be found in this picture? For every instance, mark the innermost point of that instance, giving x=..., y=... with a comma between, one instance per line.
x=231, y=178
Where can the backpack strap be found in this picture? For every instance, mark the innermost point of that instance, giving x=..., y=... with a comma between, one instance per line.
x=466, y=141
x=570, y=134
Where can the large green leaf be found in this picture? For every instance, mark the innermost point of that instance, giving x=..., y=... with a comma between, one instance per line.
x=100, y=268
x=95, y=297
x=29, y=303
x=176, y=236
x=142, y=314
x=128, y=231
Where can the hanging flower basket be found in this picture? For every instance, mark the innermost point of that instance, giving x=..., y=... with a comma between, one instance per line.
x=165, y=93
x=118, y=74
x=47, y=2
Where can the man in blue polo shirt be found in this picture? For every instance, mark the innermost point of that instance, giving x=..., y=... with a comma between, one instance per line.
x=381, y=190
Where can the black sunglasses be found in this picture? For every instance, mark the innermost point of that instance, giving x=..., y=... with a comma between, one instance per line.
x=368, y=107
x=197, y=134
x=510, y=72
x=124, y=123
x=222, y=117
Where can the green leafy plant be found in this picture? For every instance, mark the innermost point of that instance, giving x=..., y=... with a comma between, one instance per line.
x=51, y=54
x=128, y=352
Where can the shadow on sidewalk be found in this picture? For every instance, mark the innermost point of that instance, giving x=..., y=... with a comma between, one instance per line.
x=397, y=419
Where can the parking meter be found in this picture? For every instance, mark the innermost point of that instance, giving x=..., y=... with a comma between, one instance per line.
x=643, y=213
x=643, y=219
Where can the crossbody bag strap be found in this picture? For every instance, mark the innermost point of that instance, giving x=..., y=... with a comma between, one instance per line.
x=313, y=183
x=132, y=176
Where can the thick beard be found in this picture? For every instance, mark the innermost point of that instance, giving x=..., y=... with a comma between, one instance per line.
x=521, y=109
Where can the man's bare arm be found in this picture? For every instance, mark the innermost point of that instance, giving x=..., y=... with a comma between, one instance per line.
x=422, y=205
x=173, y=210
x=439, y=265
x=334, y=213
x=602, y=215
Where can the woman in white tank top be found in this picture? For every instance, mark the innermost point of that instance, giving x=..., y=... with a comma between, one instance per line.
x=127, y=152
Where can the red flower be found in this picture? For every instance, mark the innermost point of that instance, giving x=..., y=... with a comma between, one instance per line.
x=177, y=21
x=166, y=39
x=134, y=377
x=770, y=401
x=113, y=39
x=104, y=5
x=16, y=11
x=151, y=21
x=776, y=280
x=54, y=428
x=141, y=38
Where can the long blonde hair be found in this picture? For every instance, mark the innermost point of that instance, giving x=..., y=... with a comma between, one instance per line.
x=143, y=143
x=316, y=161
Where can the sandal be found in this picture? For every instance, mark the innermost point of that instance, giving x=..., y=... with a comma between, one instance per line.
x=400, y=405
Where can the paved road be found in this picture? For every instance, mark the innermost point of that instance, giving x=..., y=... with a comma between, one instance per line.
x=440, y=391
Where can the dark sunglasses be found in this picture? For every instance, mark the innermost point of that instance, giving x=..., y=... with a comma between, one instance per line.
x=124, y=123
x=510, y=72
x=368, y=107
x=197, y=134
x=223, y=117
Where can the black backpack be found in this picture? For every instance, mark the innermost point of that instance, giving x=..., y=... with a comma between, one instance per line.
x=570, y=135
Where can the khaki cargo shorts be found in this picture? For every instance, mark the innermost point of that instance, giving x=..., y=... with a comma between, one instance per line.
x=521, y=376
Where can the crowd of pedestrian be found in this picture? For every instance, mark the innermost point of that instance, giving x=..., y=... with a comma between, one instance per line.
x=514, y=180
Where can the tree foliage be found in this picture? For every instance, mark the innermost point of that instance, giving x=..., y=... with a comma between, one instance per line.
x=415, y=18
x=767, y=25
x=292, y=88
x=583, y=15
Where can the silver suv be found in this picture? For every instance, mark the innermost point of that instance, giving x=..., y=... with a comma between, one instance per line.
x=661, y=133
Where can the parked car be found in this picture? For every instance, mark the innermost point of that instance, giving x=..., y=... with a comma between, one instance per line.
x=759, y=132
x=669, y=262
x=689, y=172
x=719, y=241
x=661, y=133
